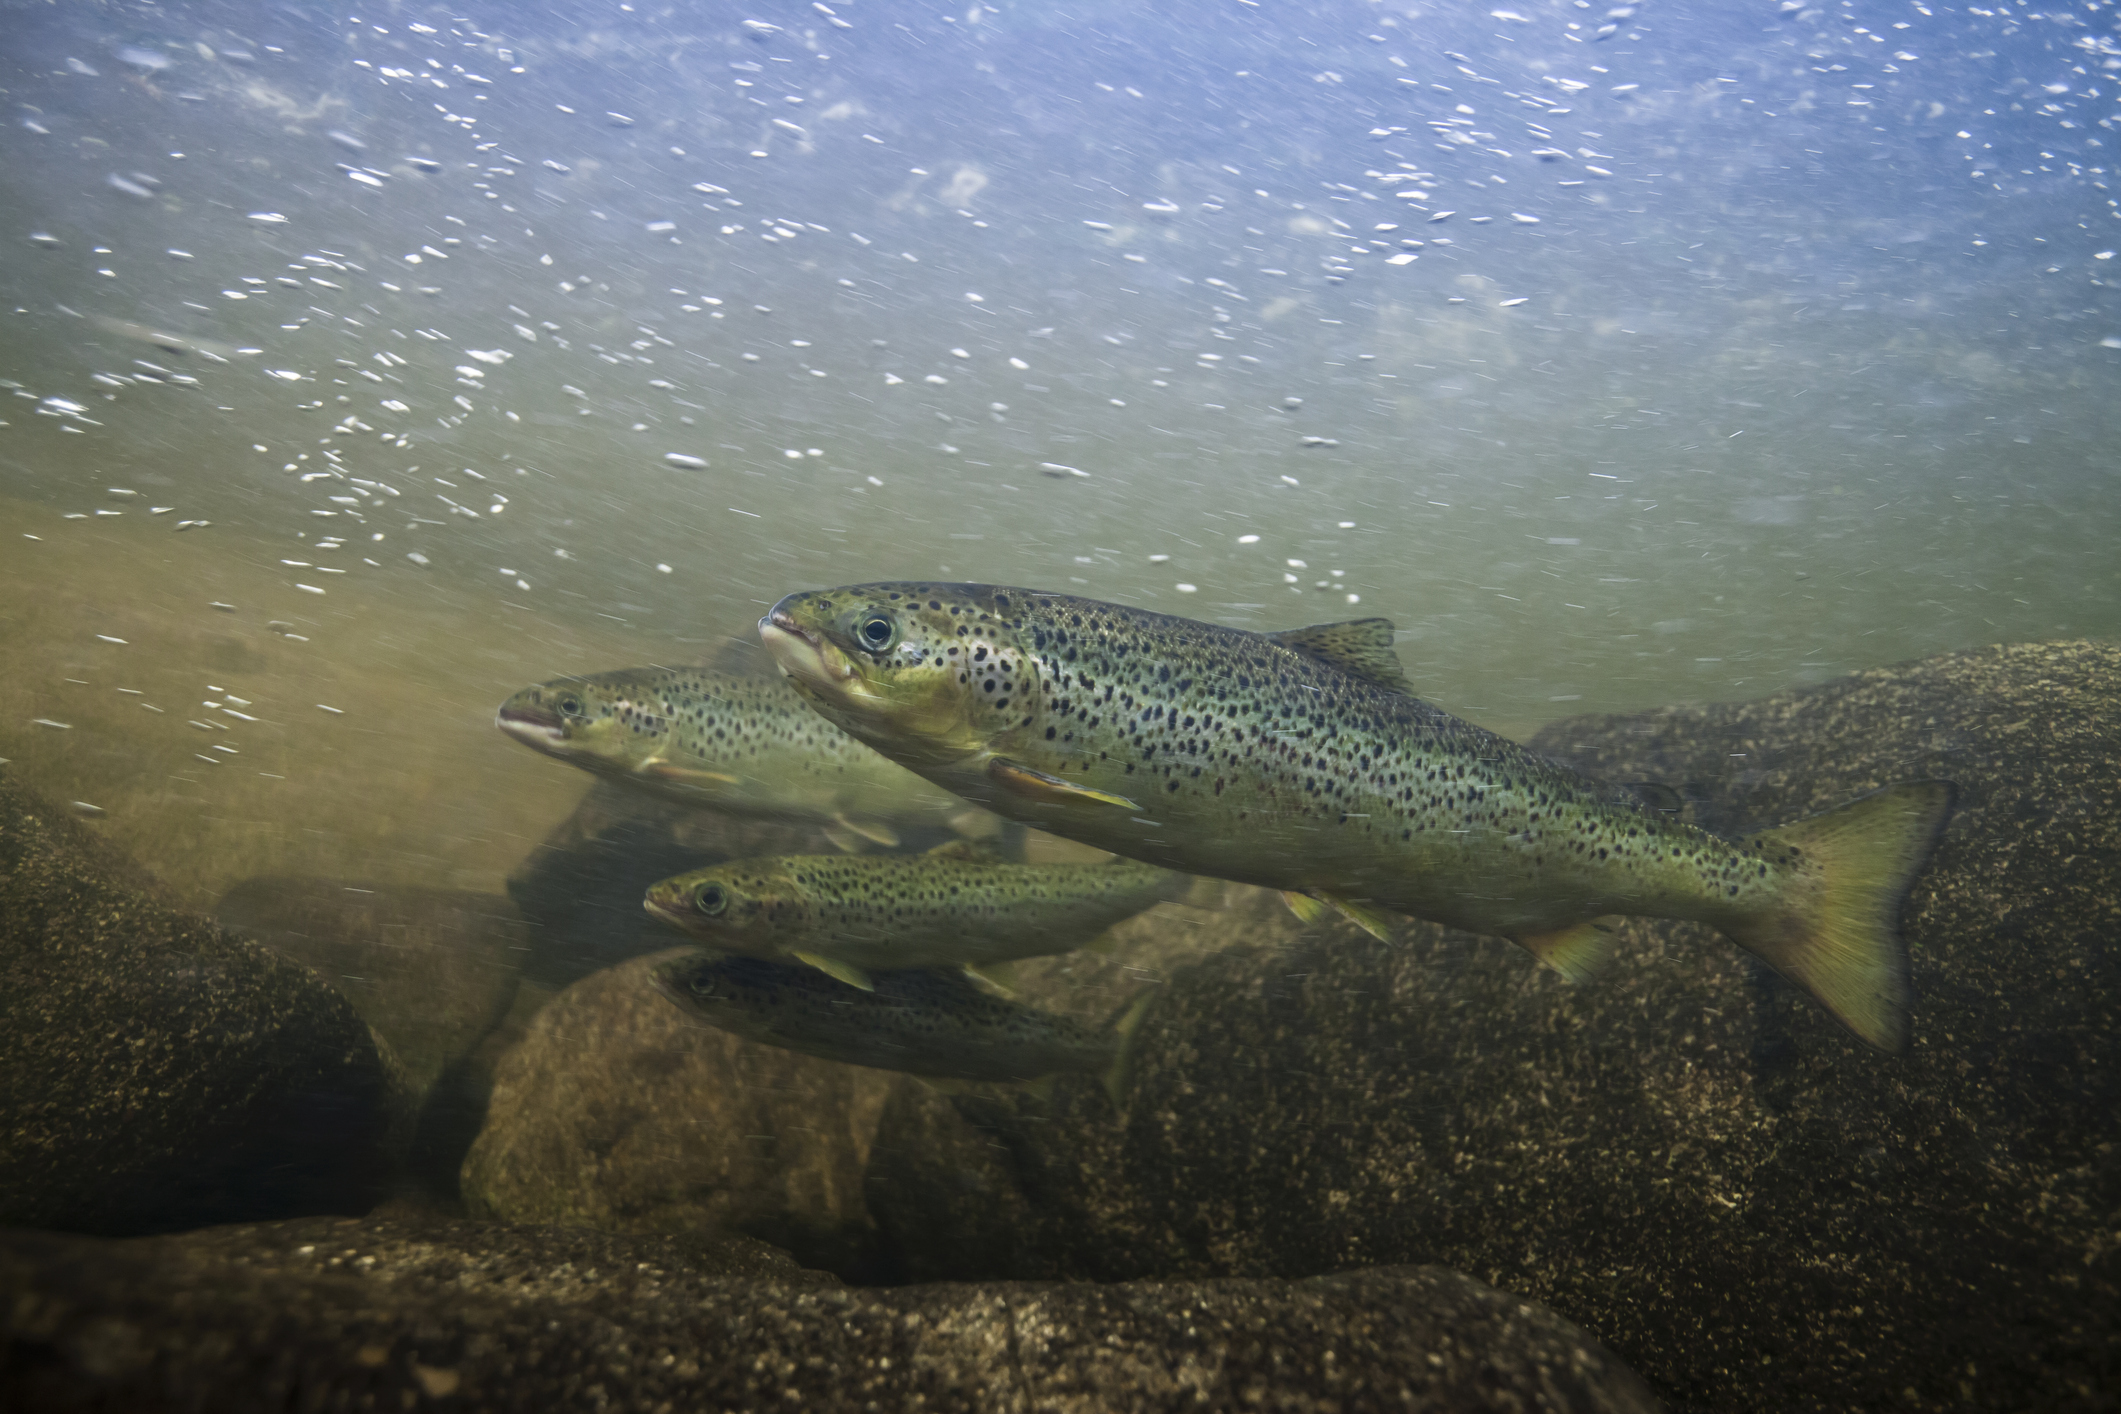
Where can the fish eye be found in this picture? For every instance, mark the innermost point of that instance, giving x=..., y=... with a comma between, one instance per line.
x=711, y=899
x=570, y=706
x=877, y=632
x=700, y=987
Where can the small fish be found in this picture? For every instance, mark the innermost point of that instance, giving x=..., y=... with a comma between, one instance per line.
x=742, y=745
x=1301, y=761
x=938, y=1025
x=947, y=908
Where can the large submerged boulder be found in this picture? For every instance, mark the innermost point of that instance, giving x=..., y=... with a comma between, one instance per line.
x=1752, y=1208
x=157, y=1072
x=402, y=1313
x=618, y=1111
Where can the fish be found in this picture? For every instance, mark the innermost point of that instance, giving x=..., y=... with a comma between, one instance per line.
x=738, y=744
x=1301, y=761
x=937, y=1025
x=950, y=907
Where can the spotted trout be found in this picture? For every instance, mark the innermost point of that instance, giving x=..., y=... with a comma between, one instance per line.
x=1302, y=762
x=938, y=1025
x=852, y=916
x=742, y=745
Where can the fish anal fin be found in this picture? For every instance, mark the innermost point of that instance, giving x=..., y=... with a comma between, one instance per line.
x=1311, y=905
x=976, y=824
x=1360, y=648
x=1021, y=780
x=1577, y=950
x=1039, y=1087
x=874, y=831
x=844, y=840
x=842, y=971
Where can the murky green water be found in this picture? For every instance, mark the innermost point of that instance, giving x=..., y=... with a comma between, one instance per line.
x=363, y=367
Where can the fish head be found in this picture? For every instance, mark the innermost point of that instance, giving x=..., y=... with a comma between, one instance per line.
x=731, y=908
x=689, y=980
x=602, y=722
x=928, y=674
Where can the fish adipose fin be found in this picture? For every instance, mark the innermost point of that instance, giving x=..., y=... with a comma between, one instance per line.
x=1575, y=952
x=1037, y=785
x=1360, y=648
x=832, y=967
x=1310, y=907
x=1836, y=933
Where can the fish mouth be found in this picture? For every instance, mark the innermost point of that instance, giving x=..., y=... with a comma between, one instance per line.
x=535, y=727
x=663, y=912
x=806, y=656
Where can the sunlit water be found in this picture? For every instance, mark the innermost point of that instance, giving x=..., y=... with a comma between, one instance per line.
x=387, y=359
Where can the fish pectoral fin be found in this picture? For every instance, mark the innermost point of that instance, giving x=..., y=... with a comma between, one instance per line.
x=1576, y=951
x=1037, y=785
x=832, y=967
x=1103, y=945
x=965, y=851
x=1360, y=648
x=1306, y=908
x=1117, y=1075
x=874, y=831
x=1039, y=1087
x=1311, y=905
x=845, y=841
x=657, y=769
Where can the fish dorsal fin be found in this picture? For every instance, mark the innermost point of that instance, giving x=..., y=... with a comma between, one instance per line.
x=1360, y=648
x=965, y=851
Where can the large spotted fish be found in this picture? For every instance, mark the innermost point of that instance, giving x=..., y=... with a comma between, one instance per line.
x=741, y=745
x=1300, y=761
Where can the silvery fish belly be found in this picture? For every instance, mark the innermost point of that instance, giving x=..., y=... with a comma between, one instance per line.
x=1300, y=761
x=938, y=1025
x=850, y=916
x=742, y=745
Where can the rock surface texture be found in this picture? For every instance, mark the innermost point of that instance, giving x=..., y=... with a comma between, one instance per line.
x=157, y=1072
x=1748, y=1206
x=619, y=1111
x=412, y=1313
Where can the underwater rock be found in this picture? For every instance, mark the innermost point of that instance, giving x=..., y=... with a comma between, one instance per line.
x=617, y=1110
x=1684, y=1155
x=391, y=1313
x=157, y=1072
x=432, y=970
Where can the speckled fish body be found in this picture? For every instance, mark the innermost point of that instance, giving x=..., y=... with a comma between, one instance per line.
x=935, y=1024
x=1300, y=761
x=742, y=745
x=880, y=912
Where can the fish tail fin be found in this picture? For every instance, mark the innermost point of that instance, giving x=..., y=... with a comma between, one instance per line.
x=1836, y=931
x=1124, y=1031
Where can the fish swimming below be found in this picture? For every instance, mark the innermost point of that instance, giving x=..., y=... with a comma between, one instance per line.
x=851, y=916
x=938, y=1025
x=1301, y=761
x=742, y=745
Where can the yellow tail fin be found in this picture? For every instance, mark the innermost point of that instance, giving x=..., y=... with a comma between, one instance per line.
x=1837, y=932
